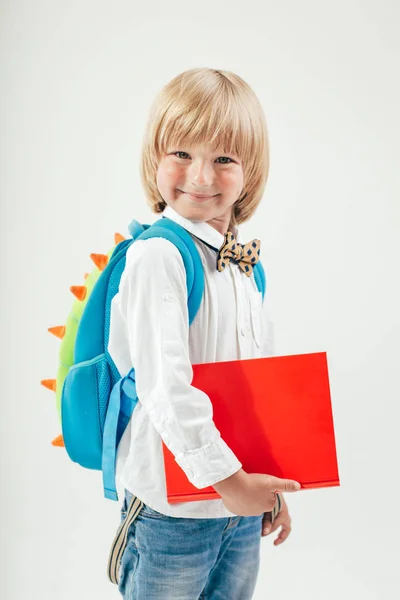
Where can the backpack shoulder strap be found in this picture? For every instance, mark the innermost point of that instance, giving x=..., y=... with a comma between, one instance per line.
x=175, y=233
x=123, y=396
x=259, y=276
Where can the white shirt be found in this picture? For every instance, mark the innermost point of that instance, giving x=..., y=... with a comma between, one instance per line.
x=149, y=330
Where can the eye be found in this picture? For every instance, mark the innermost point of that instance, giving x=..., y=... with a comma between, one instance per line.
x=224, y=163
x=223, y=157
x=180, y=152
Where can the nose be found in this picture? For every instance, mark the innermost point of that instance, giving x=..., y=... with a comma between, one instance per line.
x=201, y=173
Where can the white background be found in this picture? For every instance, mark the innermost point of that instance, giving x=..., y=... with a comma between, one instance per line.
x=77, y=80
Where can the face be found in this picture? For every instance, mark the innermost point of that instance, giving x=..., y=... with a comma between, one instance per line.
x=184, y=174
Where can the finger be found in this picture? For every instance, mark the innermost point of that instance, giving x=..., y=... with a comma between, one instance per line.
x=267, y=518
x=282, y=520
x=271, y=527
x=283, y=535
x=277, y=523
x=266, y=524
x=266, y=530
x=285, y=485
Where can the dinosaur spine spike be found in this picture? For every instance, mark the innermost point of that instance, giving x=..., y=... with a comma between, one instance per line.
x=58, y=441
x=58, y=331
x=79, y=291
x=118, y=238
x=50, y=384
x=100, y=260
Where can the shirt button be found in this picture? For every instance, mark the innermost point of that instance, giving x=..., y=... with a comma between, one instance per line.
x=190, y=474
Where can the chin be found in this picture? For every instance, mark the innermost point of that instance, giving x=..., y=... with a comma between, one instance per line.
x=198, y=213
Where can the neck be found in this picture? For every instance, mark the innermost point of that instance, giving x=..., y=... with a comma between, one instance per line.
x=223, y=223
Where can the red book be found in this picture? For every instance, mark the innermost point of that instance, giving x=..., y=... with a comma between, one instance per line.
x=274, y=413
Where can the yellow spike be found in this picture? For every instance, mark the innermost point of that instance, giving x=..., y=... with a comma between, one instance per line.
x=50, y=384
x=118, y=238
x=86, y=275
x=58, y=331
x=58, y=441
x=79, y=291
x=100, y=260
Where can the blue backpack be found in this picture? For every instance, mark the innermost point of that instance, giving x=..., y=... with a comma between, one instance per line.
x=94, y=402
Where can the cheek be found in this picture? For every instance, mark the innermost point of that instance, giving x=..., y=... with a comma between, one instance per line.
x=232, y=180
x=167, y=175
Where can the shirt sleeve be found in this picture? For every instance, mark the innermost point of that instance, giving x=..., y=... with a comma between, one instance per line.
x=153, y=300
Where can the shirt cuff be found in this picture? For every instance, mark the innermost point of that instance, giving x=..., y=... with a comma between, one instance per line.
x=209, y=464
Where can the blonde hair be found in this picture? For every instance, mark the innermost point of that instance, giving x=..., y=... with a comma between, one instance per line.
x=216, y=108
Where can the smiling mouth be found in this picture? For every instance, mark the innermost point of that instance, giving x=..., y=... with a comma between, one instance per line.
x=198, y=197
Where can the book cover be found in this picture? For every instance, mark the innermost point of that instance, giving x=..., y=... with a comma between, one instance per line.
x=274, y=413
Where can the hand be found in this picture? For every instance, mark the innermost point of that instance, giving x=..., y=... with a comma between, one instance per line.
x=251, y=494
x=282, y=519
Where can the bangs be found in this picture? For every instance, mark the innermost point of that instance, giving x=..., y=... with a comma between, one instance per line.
x=216, y=121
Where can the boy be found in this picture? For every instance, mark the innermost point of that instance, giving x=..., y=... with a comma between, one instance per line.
x=204, y=165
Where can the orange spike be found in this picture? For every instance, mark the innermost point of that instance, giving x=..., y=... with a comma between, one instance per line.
x=86, y=275
x=50, y=384
x=118, y=238
x=79, y=291
x=58, y=331
x=58, y=441
x=100, y=260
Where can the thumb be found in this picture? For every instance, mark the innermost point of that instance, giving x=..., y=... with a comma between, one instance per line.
x=286, y=485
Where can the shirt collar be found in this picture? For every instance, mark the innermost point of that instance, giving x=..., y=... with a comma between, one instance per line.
x=200, y=229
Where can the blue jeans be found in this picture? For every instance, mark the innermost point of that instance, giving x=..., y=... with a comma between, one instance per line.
x=170, y=558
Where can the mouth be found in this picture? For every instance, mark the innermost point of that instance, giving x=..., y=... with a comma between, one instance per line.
x=198, y=197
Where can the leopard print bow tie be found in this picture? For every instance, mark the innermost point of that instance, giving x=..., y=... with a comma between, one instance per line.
x=245, y=255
